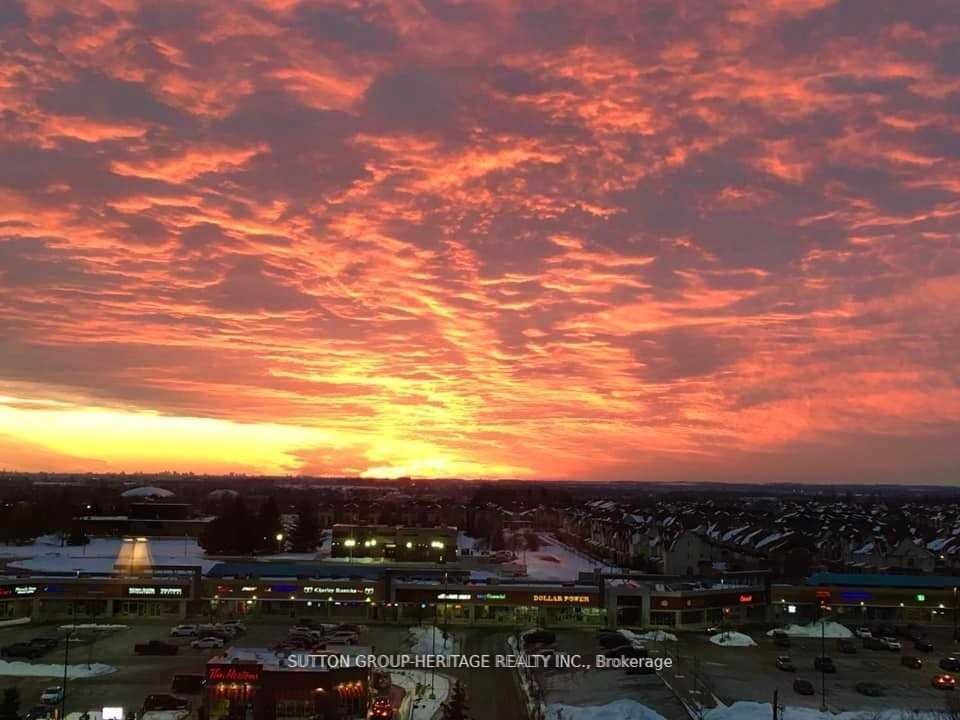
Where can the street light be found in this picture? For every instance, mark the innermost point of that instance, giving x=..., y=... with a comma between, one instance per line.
x=279, y=539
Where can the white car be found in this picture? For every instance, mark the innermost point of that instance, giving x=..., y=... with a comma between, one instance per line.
x=891, y=643
x=207, y=642
x=51, y=695
x=184, y=631
x=237, y=625
x=863, y=632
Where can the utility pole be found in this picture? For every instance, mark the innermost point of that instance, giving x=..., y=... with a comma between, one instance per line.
x=66, y=660
x=823, y=673
x=776, y=707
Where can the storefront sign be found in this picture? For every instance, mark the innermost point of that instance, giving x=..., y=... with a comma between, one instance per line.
x=744, y=599
x=454, y=596
x=167, y=592
x=233, y=673
x=321, y=590
x=491, y=596
x=567, y=599
x=25, y=590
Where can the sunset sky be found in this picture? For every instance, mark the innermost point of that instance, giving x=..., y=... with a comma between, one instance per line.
x=573, y=240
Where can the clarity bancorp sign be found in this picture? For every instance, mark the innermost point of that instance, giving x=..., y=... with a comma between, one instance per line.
x=235, y=673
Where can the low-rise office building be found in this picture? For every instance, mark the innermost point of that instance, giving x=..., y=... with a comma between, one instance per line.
x=867, y=598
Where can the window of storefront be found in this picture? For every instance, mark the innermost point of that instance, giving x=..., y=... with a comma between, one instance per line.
x=663, y=618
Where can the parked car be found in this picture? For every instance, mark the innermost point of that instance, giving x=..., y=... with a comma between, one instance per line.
x=380, y=709
x=847, y=645
x=863, y=632
x=891, y=643
x=626, y=651
x=785, y=663
x=944, y=681
x=871, y=689
x=951, y=662
x=155, y=647
x=341, y=638
x=207, y=643
x=238, y=626
x=546, y=637
x=803, y=687
x=187, y=683
x=44, y=643
x=610, y=639
x=911, y=661
x=884, y=630
x=184, y=631
x=159, y=701
x=51, y=695
x=824, y=664
x=923, y=645
x=21, y=650
x=38, y=712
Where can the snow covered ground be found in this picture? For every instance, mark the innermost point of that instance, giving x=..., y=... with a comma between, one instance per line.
x=732, y=639
x=829, y=629
x=653, y=636
x=45, y=554
x=416, y=685
x=24, y=669
x=101, y=554
x=428, y=640
x=763, y=711
x=617, y=710
x=556, y=561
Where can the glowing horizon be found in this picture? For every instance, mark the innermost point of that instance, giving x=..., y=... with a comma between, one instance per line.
x=698, y=241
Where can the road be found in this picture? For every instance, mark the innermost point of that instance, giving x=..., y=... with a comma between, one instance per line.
x=491, y=693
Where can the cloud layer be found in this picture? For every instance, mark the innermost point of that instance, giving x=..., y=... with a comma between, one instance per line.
x=664, y=240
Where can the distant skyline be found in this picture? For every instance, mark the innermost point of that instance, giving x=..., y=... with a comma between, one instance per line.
x=675, y=241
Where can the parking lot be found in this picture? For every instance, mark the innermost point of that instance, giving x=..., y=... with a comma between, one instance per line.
x=751, y=673
x=709, y=673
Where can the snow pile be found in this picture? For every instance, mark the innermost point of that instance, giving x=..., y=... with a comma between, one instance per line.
x=654, y=636
x=94, y=627
x=618, y=710
x=165, y=715
x=416, y=688
x=744, y=710
x=15, y=621
x=147, y=492
x=428, y=640
x=732, y=639
x=74, y=672
x=824, y=628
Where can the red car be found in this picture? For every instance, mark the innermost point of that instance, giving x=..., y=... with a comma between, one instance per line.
x=381, y=709
x=943, y=681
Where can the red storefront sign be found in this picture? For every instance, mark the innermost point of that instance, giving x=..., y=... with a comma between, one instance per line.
x=233, y=673
x=746, y=599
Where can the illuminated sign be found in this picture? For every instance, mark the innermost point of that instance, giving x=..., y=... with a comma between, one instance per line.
x=112, y=713
x=823, y=594
x=746, y=598
x=572, y=599
x=167, y=592
x=321, y=590
x=25, y=590
x=921, y=597
x=233, y=673
x=491, y=596
x=248, y=588
x=792, y=609
x=454, y=596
